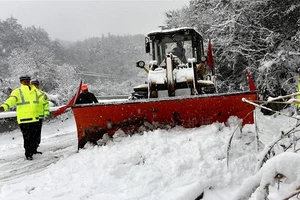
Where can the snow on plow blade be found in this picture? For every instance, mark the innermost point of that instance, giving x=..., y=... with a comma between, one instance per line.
x=95, y=120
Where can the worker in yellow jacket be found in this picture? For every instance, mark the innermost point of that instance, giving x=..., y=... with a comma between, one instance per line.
x=44, y=111
x=27, y=99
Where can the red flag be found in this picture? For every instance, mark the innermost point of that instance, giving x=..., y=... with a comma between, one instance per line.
x=251, y=83
x=210, y=59
x=71, y=103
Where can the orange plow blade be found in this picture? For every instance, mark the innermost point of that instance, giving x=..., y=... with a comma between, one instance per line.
x=95, y=120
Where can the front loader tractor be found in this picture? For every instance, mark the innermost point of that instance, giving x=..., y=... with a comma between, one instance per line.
x=177, y=67
x=173, y=95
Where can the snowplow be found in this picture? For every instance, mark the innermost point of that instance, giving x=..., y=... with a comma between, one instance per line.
x=180, y=91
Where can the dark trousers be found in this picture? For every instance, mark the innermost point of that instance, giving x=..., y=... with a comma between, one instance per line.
x=38, y=138
x=30, y=133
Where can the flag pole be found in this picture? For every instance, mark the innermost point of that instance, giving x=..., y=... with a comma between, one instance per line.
x=210, y=58
x=62, y=109
x=210, y=62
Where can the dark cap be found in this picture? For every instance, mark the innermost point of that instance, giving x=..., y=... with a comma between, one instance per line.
x=35, y=82
x=25, y=78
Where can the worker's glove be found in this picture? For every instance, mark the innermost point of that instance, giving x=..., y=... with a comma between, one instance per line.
x=1, y=109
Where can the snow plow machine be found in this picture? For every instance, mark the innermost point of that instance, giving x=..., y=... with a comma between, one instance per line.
x=180, y=91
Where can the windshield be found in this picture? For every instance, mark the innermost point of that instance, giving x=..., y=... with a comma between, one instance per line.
x=178, y=46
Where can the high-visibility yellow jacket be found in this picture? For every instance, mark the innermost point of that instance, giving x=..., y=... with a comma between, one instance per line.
x=27, y=103
x=44, y=106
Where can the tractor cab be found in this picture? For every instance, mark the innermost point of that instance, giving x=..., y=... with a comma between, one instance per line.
x=177, y=67
x=183, y=43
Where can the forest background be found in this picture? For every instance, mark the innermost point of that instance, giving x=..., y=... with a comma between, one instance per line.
x=261, y=36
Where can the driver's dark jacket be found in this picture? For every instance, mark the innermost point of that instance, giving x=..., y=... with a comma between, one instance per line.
x=86, y=98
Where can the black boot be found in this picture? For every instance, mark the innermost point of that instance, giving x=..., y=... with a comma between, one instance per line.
x=28, y=156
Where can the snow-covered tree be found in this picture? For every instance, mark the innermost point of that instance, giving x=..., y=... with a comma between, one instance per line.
x=247, y=34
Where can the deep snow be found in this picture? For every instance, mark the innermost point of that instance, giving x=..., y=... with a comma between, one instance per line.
x=175, y=164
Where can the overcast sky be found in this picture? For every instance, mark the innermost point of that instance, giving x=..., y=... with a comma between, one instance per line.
x=77, y=20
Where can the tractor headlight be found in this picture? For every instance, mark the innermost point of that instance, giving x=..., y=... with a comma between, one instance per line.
x=203, y=59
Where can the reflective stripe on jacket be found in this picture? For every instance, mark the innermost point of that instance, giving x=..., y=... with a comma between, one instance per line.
x=27, y=103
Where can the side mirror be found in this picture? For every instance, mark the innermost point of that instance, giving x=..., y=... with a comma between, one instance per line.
x=140, y=64
x=147, y=45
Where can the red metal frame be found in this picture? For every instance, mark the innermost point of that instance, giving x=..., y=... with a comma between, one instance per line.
x=94, y=120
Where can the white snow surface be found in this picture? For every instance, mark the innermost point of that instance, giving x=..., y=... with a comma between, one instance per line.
x=184, y=74
x=174, y=164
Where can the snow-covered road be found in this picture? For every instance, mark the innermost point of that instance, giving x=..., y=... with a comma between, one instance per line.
x=59, y=139
x=175, y=164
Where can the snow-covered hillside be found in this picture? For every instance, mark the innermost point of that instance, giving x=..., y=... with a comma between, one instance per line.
x=175, y=164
